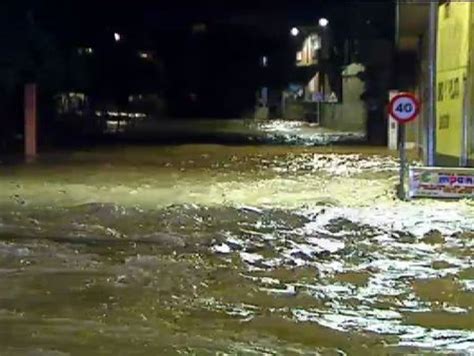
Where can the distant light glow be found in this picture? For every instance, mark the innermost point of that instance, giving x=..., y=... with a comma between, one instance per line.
x=136, y=115
x=85, y=50
x=117, y=37
x=323, y=22
x=295, y=31
x=144, y=55
x=199, y=28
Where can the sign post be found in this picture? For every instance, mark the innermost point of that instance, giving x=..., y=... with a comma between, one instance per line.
x=404, y=108
x=403, y=162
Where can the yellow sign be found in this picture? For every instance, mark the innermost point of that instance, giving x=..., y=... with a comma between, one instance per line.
x=452, y=69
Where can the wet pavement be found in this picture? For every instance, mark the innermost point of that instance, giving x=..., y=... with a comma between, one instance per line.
x=208, y=249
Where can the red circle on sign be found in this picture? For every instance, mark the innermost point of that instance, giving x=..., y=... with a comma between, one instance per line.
x=409, y=96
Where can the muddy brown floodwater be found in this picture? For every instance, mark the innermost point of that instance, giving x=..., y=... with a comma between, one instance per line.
x=210, y=249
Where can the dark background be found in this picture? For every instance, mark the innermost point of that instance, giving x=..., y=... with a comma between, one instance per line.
x=207, y=54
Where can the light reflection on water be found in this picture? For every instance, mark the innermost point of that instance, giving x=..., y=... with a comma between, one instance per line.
x=338, y=272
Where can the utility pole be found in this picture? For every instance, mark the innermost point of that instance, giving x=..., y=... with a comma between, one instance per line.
x=30, y=135
x=432, y=99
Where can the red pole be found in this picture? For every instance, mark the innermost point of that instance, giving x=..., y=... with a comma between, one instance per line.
x=30, y=122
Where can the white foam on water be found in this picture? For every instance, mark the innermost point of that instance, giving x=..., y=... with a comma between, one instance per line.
x=403, y=217
x=329, y=245
x=222, y=248
x=468, y=285
x=251, y=258
x=289, y=290
x=391, y=323
x=391, y=244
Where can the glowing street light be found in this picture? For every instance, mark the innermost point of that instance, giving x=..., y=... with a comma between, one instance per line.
x=117, y=37
x=295, y=32
x=323, y=22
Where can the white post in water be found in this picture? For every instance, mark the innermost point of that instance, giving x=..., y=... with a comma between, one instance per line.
x=393, y=127
x=404, y=108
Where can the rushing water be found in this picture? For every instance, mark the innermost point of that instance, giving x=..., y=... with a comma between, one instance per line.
x=227, y=250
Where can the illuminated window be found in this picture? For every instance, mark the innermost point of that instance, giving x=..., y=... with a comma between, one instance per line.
x=85, y=51
x=315, y=42
x=299, y=56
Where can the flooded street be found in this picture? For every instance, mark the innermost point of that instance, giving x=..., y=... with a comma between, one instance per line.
x=209, y=249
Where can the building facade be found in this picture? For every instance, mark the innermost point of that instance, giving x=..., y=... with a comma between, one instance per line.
x=454, y=132
x=455, y=81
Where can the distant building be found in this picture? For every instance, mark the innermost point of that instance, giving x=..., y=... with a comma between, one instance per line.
x=308, y=55
x=311, y=72
x=320, y=91
x=111, y=84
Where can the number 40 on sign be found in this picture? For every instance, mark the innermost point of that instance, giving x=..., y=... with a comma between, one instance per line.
x=404, y=107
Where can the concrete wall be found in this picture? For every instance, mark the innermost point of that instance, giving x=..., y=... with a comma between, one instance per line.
x=351, y=113
x=354, y=109
x=261, y=114
x=300, y=111
x=344, y=117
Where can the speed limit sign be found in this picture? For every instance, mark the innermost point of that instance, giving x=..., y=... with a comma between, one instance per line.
x=404, y=107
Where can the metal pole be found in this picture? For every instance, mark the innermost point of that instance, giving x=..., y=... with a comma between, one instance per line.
x=403, y=163
x=397, y=23
x=465, y=127
x=431, y=107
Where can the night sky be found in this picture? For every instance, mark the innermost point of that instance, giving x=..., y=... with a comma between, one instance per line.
x=223, y=66
x=87, y=15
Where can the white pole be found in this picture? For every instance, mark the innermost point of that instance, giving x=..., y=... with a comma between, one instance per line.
x=393, y=127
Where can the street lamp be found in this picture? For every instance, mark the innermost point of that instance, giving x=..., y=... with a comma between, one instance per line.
x=295, y=31
x=117, y=37
x=323, y=22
